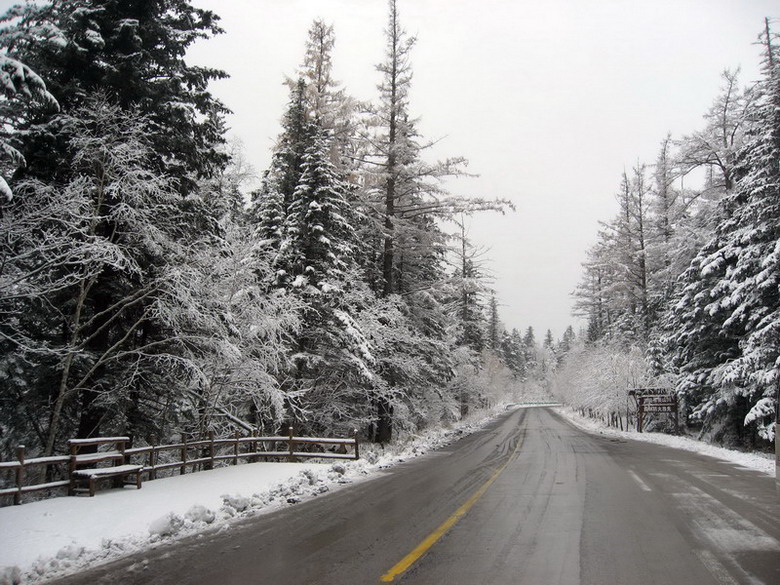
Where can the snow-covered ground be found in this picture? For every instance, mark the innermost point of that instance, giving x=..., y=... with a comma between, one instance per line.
x=58, y=536
x=759, y=461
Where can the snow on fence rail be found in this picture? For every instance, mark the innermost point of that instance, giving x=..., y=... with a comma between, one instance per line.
x=20, y=468
x=53, y=473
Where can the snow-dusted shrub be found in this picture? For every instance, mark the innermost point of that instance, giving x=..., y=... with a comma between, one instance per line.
x=596, y=378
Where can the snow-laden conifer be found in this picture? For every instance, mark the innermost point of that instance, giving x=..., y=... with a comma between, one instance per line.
x=726, y=320
x=135, y=52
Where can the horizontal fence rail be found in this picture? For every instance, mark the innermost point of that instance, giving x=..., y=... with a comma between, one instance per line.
x=21, y=468
x=53, y=473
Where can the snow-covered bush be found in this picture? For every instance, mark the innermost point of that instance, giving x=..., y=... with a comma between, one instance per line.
x=595, y=379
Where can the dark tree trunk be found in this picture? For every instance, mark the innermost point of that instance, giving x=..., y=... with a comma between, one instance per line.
x=384, y=425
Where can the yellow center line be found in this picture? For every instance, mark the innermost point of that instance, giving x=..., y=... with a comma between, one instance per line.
x=422, y=548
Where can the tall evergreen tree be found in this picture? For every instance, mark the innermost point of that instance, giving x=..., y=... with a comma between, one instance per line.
x=494, y=327
x=566, y=344
x=725, y=324
x=469, y=286
x=318, y=236
x=134, y=52
x=404, y=198
x=530, y=350
x=326, y=101
x=131, y=55
x=317, y=252
x=513, y=353
x=18, y=83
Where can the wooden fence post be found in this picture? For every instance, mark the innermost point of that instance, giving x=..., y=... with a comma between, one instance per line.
x=153, y=457
x=357, y=445
x=211, y=448
x=290, y=457
x=183, y=468
x=235, y=448
x=640, y=414
x=253, y=445
x=72, y=449
x=19, y=475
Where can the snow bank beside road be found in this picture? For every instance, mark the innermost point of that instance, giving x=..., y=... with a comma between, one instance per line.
x=65, y=533
x=58, y=536
x=757, y=461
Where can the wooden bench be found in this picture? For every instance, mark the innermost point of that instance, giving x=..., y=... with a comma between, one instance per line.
x=96, y=460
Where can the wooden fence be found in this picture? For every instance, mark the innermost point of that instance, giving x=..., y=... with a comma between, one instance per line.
x=175, y=458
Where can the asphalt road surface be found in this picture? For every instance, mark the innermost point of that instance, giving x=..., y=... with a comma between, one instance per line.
x=530, y=500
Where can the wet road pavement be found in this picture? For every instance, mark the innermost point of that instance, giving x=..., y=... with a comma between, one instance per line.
x=528, y=500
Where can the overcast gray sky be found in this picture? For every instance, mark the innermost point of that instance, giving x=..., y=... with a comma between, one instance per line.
x=549, y=99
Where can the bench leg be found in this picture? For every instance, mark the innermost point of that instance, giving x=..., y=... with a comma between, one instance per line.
x=91, y=487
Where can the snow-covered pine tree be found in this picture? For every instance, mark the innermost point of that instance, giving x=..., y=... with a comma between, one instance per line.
x=267, y=213
x=725, y=324
x=617, y=288
x=494, y=327
x=633, y=320
x=332, y=364
x=318, y=234
x=591, y=297
x=468, y=288
x=404, y=199
x=754, y=299
x=133, y=51
x=326, y=101
x=530, y=351
x=513, y=354
x=17, y=82
x=548, y=354
x=566, y=343
x=665, y=214
x=270, y=204
x=296, y=137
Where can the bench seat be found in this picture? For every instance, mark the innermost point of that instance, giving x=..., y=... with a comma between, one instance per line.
x=91, y=475
x=107, y=471
x=115, y=457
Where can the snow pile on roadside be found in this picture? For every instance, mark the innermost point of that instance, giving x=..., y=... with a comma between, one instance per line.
x=60, y=536
x=758, y=461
